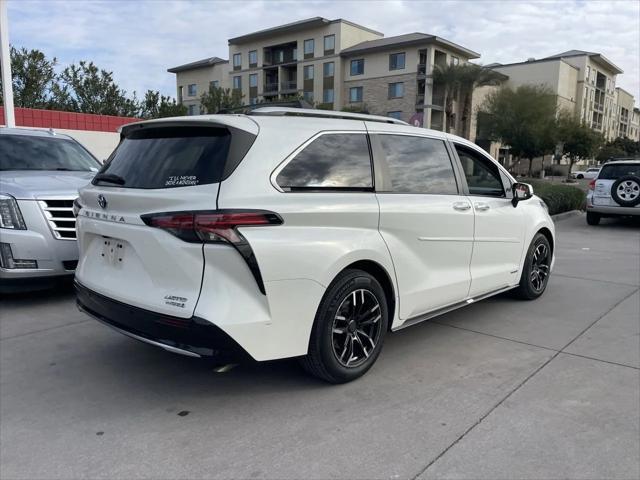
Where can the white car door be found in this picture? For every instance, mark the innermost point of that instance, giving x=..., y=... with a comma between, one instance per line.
x=499, y=227
x=425, y=220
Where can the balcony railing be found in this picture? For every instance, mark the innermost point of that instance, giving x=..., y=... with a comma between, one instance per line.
x=422, y=69
x=598, y=107
x=438, y=99
x=420, y=99
x=271, y=87
x=286, y=86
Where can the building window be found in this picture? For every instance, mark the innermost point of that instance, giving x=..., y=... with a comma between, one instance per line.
x=192, y=110
x=253, y=58
x=253, y=101
x=180, y=93
x=309, y=47
x=327, y=96
x=397, y=114
x=329, y=44
x=328, y=69
x=308, y=96
x=237, y=82
x=396, y=90
x=214, y=84
x=355, y=94
x=357, y=67
x=237, y=61
x=192, y=90
x=397, y=61
x=253, y=80
x=455, y=61
x=588, y=72
x=307, y=71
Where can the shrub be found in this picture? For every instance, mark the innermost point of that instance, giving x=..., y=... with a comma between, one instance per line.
x=559, y=198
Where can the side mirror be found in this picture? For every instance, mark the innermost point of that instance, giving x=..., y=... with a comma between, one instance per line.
x=521, y=191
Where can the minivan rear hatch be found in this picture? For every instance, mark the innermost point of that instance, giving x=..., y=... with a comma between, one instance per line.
x=158, y=167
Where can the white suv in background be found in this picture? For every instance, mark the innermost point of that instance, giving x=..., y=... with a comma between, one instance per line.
x=299, y=233
x=615, y=192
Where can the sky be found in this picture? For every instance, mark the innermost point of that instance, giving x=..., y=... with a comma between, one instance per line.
x=139, y=40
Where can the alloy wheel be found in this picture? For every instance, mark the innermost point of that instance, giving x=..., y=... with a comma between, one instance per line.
x=539, y=267
x=356, y=328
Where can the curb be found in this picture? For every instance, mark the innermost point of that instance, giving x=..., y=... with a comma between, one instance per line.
x=565, y=215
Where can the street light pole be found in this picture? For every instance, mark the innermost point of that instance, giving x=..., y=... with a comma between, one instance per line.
x=5, y=66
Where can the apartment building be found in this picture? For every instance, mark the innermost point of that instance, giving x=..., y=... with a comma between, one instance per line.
x=584, y=82
x=623, y=113
x=332, y=64
x=634, y=125
x=193, y=79
x=394, y=77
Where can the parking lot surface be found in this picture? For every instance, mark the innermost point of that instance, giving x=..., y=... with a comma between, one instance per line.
x=500, y=389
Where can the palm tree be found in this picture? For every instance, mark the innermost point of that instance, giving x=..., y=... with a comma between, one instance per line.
x=449, y=76
x=472, y=76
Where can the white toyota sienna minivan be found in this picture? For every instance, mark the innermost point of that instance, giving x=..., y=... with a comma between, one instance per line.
x=299, y=233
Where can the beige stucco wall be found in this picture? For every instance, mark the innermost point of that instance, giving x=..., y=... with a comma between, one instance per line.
x=201, y=77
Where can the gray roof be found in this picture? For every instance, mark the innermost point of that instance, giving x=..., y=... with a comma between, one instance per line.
x=407, y=39
x=206, y=62
x=571, y=53
x=560, y=57
x=579, y=53
x=293, y=27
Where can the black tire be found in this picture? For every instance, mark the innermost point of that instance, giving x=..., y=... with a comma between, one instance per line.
x=593, y=218
x=322, y=359
x=527, y=290
x=626, y=191
x=580, y=176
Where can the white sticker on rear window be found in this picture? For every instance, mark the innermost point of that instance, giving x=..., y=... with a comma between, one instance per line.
x=181, y=180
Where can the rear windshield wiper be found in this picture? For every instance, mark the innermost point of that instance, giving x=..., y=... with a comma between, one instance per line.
x=109, y=178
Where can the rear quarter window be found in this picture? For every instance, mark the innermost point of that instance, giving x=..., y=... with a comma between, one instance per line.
x=339, y=161
x=613, y=172
x=170, y=157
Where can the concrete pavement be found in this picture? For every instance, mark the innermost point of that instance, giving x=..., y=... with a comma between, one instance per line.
x=500, y=389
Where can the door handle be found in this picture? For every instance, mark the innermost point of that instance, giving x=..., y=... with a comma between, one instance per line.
x=481, y=206
x=461, y=206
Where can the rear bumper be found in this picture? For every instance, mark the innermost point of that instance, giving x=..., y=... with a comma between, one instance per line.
x=621, y=211
x=193, y=336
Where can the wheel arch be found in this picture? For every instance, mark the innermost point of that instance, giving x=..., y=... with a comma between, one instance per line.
x=547, y=233
x=381, y=274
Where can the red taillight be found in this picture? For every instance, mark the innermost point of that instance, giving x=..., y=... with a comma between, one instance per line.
x=210, y=226
x=592, y=184
x=216, y=226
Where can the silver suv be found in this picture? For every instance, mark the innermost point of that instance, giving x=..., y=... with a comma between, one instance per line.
x=40, y=173
x=615, y=192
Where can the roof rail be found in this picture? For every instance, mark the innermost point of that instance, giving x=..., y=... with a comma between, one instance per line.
x=308, y=112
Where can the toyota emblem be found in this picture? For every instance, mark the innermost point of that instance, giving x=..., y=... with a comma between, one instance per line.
x=102, y=201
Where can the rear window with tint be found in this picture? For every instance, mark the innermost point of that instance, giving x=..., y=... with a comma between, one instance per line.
x=339, y=161
x=613, y=172
x=170, y=157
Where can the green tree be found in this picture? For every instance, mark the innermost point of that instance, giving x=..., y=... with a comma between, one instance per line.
x=524, y=119
x=218, y=98
x=154, y=105
x=472, y=76
x=628, y=146
x=609, y=151
x=33, y=78
x=450, y=77
x=578, y=140
x=86, y=88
